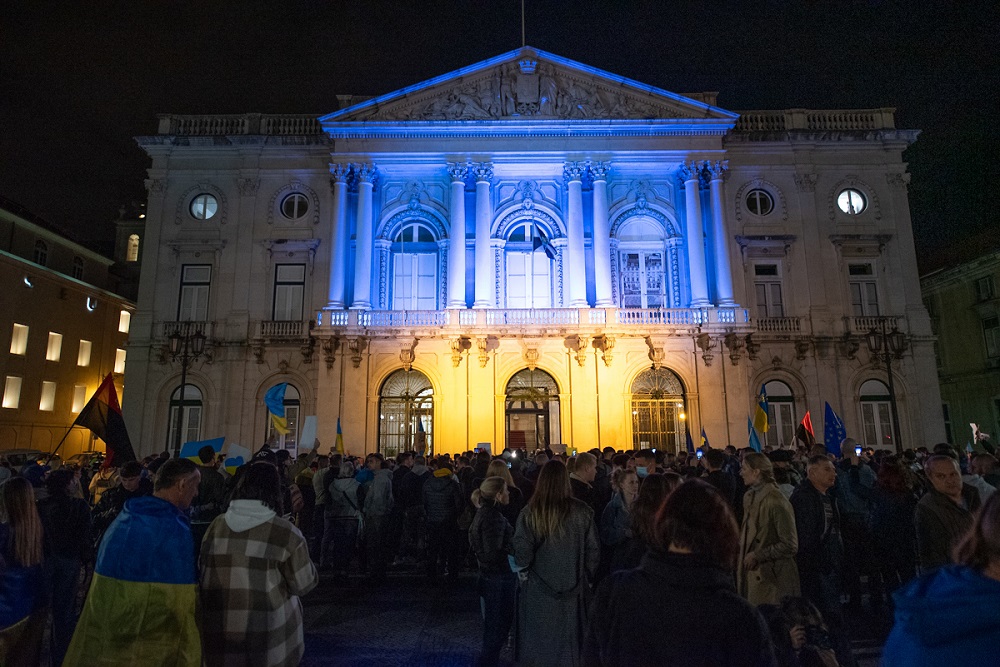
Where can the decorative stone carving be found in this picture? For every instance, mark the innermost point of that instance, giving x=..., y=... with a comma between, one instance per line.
x=364, y=173
x=482, y=171
x=801, y=349
x=527, y=190
x=306, y=350
x=530, y=356
x=805, y=182
x=718, y=170
x=356, y=345
x=579, y=344
x=599, y=170
x=706, y=344
x=527, y=88
x=483, y=343
x=898, y=180
x=248, y=186
x=329, y=346
x=339, y=172
x=257, y=350
x=573, y=171
x=656, y=353
x=155, y=186
x=780, y=205
x=406, y=353
x=734, y=344
x=458, y=345
x=458, y=171
x=752, y=347
x=690, y=171
x=606, y=344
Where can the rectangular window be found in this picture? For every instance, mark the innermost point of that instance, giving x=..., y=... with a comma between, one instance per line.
x=991, y=332
x=414, y=285
x=83, y=356
x=79, y=397
x=54, y=351
x=12, y=392
x=196, y=280
x=946, y=414
x=289, y=289
x=767, y=290
x=864, y=293
x=19, y=339
x=48, y=400
x=124, y=321
x=119, y=360
x=642, y=279
x=528, y=282
x=985, y=288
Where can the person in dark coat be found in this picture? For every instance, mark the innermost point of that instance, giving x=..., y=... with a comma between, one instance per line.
x=945, y=512
x=581, y=480
x=714, y=461
x=684, y=585
x=653, y=490
x=892, y=525
x=491, y=537
x=556, y=551
x=443, y=502
x=817, y=522
x=950, y=616
x=68, y=545
x=131, y=485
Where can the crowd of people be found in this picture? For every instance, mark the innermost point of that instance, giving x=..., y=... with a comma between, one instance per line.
x=715, y=557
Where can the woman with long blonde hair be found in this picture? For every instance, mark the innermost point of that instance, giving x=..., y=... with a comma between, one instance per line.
x=513, y=507
x=22, y=613
x=556, y=551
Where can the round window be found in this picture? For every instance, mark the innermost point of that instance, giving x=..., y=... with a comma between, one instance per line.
x=294, y=206
x=204, y=206
x=851, y=201
x=760, y=202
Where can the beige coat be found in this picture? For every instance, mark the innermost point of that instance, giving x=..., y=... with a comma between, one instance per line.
x=769, y=533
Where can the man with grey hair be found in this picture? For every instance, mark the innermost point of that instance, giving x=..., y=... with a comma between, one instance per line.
x=581, y=479
x=944, y=514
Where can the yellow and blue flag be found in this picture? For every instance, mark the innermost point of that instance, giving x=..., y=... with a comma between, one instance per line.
x=754, y=442
x=274, y=399
x=760, y=416
x=339, y=444
x=704, y=439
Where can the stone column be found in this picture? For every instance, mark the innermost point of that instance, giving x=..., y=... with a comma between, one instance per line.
x=720, y=239
x=602, y=236
x=456, y=238
x=485, y=275
x=576, y=272
x=339, y=236
x=691, y=173
x=365, y=174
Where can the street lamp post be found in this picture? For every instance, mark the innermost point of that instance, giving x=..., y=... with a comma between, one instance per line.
x=885, y=345
x=186, y=344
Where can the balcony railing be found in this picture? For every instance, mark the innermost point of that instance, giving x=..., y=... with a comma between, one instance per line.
x=275, y=329
x=167, y=329
x=778, y=324
x=527, y=317
x=862, y=324
x=235, y=124
x=805, y=119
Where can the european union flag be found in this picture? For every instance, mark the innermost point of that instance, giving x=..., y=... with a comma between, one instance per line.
x=833, y=431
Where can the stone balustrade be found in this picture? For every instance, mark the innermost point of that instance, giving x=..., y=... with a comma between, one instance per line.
x=237, y=124
x=805, y=119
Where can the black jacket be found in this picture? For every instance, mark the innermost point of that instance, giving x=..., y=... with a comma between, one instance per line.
x=66, y=526
x=492, y=538
x=708, y=622
x=940, y=524
x=411, y=487
x=725, y=485
x=820, y=547
x=443, y=500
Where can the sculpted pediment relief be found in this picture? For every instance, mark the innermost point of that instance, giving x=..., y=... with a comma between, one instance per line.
x=528, y=85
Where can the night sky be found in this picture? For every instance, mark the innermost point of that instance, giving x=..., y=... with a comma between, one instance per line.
x=79, y=80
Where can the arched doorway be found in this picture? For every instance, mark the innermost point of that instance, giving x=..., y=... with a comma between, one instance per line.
x=780, y=415
x=658, y=417
x=191, y=419
x=532, y=411
x=406, y=414
x=876, y=423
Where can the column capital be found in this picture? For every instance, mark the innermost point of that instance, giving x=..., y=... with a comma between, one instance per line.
x=691, y=171
x=483, y=171
x=364, y=172
x=599, y=170
x=574, y=171
x=338, y=172
x=717, y=170
x=457, y=171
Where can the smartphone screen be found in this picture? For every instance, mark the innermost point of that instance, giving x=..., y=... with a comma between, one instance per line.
x=857, y=450
x=700, y=454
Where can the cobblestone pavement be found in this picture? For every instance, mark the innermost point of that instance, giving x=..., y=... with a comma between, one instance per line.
x=408, y=622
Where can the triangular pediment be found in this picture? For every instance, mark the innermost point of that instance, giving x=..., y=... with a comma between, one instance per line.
x=528, y=84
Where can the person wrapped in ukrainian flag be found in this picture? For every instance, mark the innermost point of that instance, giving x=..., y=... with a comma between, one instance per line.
x=140, y=609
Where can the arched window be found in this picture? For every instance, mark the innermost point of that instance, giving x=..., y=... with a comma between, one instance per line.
x=414, y=268
x=288, y=440
x=528, y=271
x=191, y=407
x=646, y=260
x=780, y=415
x=406, y=414
x=658, y=417
x=876, y=420
x=41, y=253
x=532, y=411
x=78, y=268
x=132, y=249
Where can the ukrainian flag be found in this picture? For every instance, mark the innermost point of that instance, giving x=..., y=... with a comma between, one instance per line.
x=760, y=416
x=274, y=399
x=141, y=606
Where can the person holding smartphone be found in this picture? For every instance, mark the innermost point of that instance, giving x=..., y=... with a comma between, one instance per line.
x=856, y=491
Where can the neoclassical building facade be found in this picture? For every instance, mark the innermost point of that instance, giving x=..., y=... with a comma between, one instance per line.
x=529, y=252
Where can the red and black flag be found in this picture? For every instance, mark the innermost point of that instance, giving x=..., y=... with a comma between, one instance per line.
x=805, y=432
x=103, y=416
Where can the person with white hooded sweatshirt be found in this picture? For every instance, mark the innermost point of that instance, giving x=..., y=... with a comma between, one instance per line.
x=254, y=566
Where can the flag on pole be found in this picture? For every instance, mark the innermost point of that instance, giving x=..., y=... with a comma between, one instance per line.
x=540, y=241
x=754, y=442
x=805, y=432
x=833, y=431
x=704, y=439
x=760, y=416
x=420, y=441
x=274, y=399
x=339, y=444
x=103, y=416
x=690, y=442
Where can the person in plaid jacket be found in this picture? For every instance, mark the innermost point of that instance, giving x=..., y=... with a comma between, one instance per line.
x=254, y=567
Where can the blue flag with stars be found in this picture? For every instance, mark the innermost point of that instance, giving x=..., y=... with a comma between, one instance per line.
x=833, y=431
